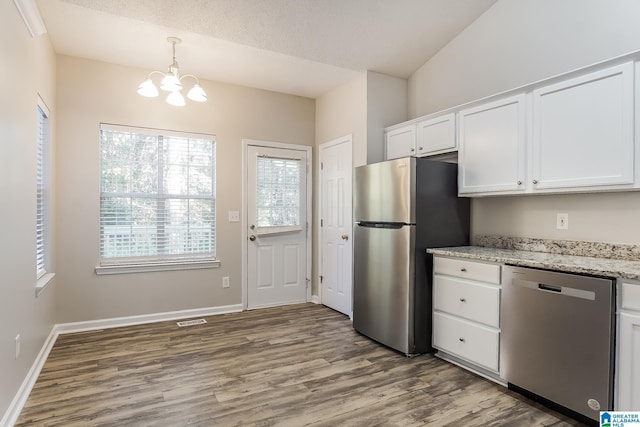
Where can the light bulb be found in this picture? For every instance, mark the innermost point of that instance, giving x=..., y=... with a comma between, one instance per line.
x=197, y=94
x=148, y=89
x=175, y=98
x=170, y=83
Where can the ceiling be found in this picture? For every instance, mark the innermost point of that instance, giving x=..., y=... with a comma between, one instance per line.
x=300, y=47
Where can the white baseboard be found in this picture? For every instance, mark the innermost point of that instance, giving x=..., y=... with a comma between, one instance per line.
x=116, y=322
x=315, y=299
x=13, y=412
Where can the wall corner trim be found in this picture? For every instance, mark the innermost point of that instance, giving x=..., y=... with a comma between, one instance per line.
x=13, y=412
x=31, y=17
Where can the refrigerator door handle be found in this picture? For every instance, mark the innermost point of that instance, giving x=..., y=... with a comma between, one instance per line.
x=392, y=225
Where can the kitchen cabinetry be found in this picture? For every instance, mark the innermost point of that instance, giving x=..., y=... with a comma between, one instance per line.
x=572, y=134
x=491, y=153
x=466, y=316
x=401, y=142
x=422, y=137
x=628, y=351
x=583, y=131
x=436, y=135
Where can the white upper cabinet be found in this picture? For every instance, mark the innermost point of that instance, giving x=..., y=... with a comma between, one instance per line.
x=491, y=152
x=582, y=131
x=401, y=142
x=436, y=135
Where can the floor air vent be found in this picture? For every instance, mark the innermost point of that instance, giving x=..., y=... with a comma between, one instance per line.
x=191, y=322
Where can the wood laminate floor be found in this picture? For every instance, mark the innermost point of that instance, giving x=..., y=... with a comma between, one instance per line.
x=287, y=366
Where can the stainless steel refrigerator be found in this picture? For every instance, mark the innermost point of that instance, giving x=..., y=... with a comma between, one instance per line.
x=402, y=207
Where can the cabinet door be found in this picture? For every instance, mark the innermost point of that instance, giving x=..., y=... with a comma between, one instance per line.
x=583, y=131
x=491, y=154
x=401, y=142
x=437, y=135
x=629, y=363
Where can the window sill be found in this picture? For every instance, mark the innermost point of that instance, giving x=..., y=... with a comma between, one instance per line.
x=43, y=282
x=145, y=268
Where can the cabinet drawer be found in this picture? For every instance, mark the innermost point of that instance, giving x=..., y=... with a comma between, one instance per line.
x=630, y=298
x=467, y=340
x=466, y=269
x=473, y=301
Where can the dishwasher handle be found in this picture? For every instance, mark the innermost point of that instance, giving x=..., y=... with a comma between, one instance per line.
x=550, y=288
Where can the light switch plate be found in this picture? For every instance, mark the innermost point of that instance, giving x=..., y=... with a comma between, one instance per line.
x=234, y=216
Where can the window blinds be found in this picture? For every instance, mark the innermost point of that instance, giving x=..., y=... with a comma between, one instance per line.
x=278, y=191
x=40, y=196
x=157, y=199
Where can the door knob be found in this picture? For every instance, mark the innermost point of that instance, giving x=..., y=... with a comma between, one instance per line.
x=253, y=227
x=252, y=237
x=345, y=237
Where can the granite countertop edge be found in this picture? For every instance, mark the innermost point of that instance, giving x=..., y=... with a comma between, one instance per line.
x=615, y=268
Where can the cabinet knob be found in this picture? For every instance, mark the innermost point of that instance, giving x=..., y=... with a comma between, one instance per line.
x=461, y=339
x=463, y=269
x=420, y=148
x=463, y=300
x=413, y=149
x=519, y=182
x=535, y=181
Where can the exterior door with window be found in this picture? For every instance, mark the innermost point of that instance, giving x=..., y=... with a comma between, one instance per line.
x=277, y=226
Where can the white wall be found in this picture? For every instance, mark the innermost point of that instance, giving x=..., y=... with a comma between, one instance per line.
x=28, y=68
x=91, y=92
x=518, y=42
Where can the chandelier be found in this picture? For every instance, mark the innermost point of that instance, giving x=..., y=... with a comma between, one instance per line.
x=172, y=83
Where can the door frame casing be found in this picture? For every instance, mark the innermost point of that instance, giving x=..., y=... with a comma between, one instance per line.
x=344, y=139
x=244, y=224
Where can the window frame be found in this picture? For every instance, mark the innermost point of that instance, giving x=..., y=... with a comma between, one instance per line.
x=185, y=261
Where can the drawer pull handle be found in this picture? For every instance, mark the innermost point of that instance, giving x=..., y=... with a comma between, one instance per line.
x=461, y=339
x=463, y=300
x=463, y=269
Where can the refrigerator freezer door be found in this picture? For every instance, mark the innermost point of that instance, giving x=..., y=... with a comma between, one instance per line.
x=384, y=191
x=384, y=284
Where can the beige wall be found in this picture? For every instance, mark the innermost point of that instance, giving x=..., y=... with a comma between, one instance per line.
x=91, y=92
x=518, y=42
x=386, y=106
x=28, y=68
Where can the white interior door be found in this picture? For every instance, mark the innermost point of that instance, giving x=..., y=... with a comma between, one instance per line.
x=336, y=174
x=277, y=226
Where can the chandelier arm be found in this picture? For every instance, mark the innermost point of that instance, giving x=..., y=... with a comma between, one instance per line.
x=190, y=75
x=156, y=72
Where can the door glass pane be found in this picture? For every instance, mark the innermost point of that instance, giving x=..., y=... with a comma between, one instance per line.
x=278, y=192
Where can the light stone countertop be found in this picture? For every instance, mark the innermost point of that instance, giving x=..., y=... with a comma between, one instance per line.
x=569, y=263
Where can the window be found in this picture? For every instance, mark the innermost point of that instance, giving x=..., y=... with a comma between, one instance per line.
x=278, y=192
x=157, y=196
x=42, y=211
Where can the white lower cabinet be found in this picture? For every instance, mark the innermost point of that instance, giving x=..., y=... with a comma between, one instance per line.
x=466, y=316
x=467, y=340
x=628, y=351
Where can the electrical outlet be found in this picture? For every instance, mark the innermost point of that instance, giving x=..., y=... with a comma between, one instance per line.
x=17, y=346
x=225, y=282
x=562, y=221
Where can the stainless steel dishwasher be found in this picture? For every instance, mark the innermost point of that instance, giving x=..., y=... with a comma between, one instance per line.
x=557, y=338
